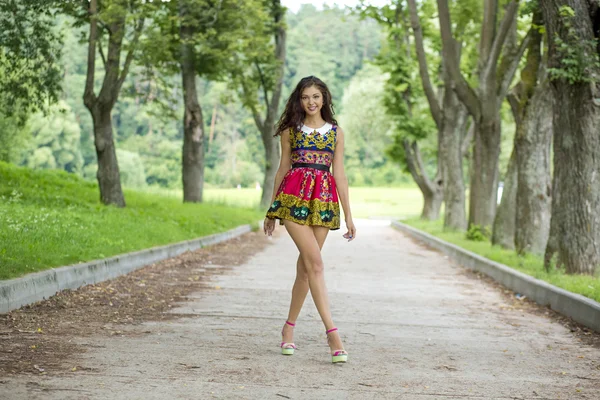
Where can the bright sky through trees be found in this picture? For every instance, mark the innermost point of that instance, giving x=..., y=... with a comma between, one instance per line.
x=294, y=5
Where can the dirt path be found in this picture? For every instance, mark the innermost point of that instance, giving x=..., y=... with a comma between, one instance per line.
x=206, y=325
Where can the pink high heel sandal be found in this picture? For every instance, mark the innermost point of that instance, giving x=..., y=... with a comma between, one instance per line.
x=287, y=349
x=337, y=356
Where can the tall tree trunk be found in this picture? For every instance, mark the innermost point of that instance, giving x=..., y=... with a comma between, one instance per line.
x=433, y=193
x=531, y=102
x=450, y=120
x=576, y=138
x=484, y=103
x=193, y=127
x=533, y=142
x=101, y=105
x=109, y=179
x=503, y=233
x=483, y=190
x=451, y=157
x=267, y=127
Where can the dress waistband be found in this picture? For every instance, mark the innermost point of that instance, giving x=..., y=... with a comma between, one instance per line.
x=321, y=167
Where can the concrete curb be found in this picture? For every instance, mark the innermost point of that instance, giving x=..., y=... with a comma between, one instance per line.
x=37, y=286
x=580, y=308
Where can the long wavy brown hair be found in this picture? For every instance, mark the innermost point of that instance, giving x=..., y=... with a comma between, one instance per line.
x=293, y=116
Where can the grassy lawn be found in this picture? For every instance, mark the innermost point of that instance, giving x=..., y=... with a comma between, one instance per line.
x=51, y=218
x=588, y=286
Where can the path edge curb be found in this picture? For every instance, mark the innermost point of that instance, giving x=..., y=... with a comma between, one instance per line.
x=37, y=286
x=580, y=308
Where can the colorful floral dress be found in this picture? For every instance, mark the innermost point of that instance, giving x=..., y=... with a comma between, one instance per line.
x=308, y=195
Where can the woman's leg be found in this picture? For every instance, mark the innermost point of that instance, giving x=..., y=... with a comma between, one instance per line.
x=300, y=289
x=305, y=238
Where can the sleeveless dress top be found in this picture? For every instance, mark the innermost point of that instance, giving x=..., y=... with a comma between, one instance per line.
x=308, y=194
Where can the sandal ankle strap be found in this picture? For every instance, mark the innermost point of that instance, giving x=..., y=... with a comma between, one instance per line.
x=332, y=330
x=289, y=323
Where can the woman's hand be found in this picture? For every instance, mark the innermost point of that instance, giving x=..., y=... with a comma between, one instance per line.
x=351, y=234
x=269, y=226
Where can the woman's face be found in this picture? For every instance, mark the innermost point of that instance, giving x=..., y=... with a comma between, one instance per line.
x=312, y=101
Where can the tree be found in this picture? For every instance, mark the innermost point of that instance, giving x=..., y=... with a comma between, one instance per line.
x=30, y=51
x=484, y=102
x=201, y=38
x=262, y=84
x=451, y=122
x=403, y=100
x=572, y=27
x=29, y=69
x=532, y=103
x=122, y=22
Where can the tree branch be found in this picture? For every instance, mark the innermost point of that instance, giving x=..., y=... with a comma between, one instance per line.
x=255, y=114
x=488, y=31
x=466, y=141
x=513, y=100
x=100, y=49
x=412, y=164
x=263, y=83
x=513, y=64
x=421, y=167
x=89, y=97
x=464, y=91
x=489, y=73
x=280, y=44
x=423, y=68
x=136, y=37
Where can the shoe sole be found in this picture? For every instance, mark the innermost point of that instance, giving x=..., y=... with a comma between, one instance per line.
x=339, y=359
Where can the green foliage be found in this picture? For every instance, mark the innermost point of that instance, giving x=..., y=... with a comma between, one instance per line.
x=477, y=233
x=52, y=218
x=332, y=45
x=131, y=169
x=54, y=140
x=532, y=265
x=368, y=130
x=13, y=137
x=147, y=116
x=404, y=99
x=29, y=53
x=577, y=58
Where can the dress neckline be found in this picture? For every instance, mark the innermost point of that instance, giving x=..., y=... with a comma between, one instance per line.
x=322, y=130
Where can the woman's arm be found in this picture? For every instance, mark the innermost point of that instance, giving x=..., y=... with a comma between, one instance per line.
x=342, y=183
x=285, y=163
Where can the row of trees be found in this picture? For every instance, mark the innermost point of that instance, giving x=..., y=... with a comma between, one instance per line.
x=453, y=69
x=471, y=56
x=146, y=118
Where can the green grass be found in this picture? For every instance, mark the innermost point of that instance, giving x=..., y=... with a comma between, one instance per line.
x=585, y=285
x=51, y=218
x=389, y=202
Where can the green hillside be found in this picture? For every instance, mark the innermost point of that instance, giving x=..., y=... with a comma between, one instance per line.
x=52, y=218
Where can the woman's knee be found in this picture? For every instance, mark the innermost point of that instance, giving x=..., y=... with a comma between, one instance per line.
x=301, y=273
x=314, y=265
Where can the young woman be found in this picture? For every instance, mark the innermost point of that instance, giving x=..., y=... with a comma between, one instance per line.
x=306, y=201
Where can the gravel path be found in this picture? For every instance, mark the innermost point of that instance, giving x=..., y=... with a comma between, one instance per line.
x=415, y=325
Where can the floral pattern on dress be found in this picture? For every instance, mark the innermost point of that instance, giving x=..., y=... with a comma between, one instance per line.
x=307, y=195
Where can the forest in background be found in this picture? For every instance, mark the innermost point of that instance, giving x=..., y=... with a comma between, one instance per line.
x=334, y=44
x=331, y=44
